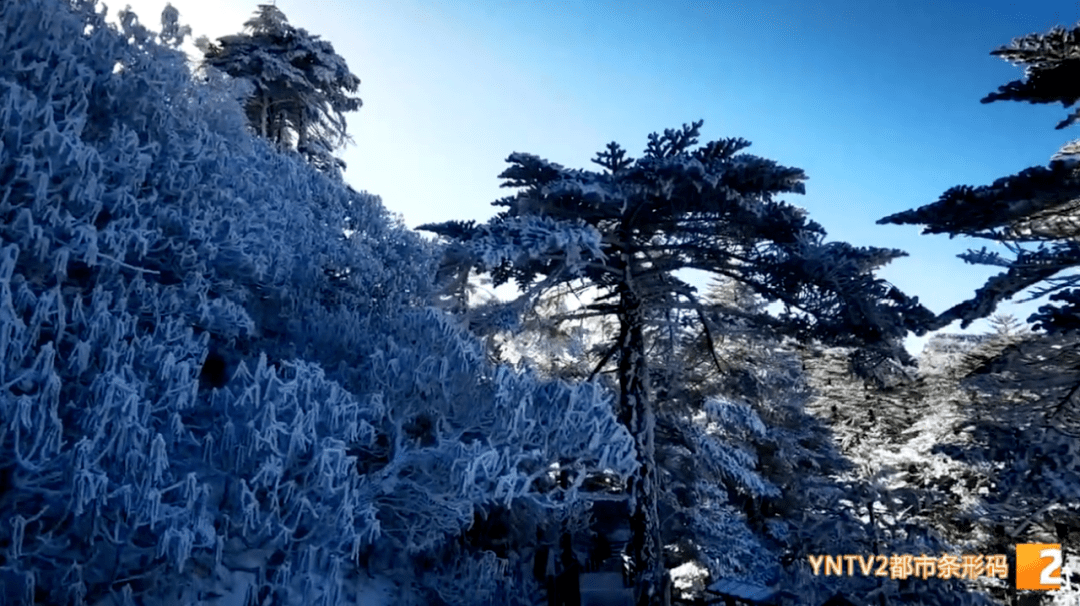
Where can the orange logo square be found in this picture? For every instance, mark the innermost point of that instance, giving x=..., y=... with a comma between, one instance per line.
x=1038, y=566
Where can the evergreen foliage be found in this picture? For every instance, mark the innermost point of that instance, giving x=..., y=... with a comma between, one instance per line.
x=1027, y=460
x=627, y=230
x=1033, y=214
x=794, y=493
x=1051, y=69
x=209, y=394
x=681, y=208
x=301, y=87
x=1020, y=428
x=755, y=473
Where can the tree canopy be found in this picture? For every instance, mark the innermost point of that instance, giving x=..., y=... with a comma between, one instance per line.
x=628, y=229
x=1034, y=214
x=301, y=86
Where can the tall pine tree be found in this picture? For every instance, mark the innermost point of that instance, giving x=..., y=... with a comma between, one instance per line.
x=1029, y=389
x=301, y=86
x=1034, y=214
x=628, y=229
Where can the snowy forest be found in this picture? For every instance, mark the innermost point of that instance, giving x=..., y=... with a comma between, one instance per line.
x=229, y=378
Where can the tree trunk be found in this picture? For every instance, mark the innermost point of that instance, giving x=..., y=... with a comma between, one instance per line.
x=263, y=118
x=636, y=413
x=301, y=128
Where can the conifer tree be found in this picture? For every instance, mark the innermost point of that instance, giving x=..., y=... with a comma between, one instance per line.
x=301, y=86
x=1035, y=214
x=1025, y=422
x=627, y=230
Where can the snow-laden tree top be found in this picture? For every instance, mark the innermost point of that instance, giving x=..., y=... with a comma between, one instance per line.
x=301, y=86
x=682, y=206
x=1033, y=213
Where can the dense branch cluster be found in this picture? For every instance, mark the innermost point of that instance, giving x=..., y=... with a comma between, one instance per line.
x=301, y=87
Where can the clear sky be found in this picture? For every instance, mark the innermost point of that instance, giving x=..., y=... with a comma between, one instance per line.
x=877, y=101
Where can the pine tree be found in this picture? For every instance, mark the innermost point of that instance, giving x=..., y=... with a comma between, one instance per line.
x=301, y=86
x=1024, y=423
x=628, y=229
x=1033, y=214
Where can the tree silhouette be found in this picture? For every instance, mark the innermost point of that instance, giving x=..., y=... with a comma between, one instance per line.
x=628, y=229
x=301, y=86
x=1035, y=214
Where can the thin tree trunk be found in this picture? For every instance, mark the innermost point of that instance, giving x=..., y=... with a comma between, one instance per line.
x=263, y=118
x=636, y=413
x=301, y=128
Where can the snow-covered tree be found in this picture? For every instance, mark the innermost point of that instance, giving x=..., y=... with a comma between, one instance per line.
x=751, y=483
x=1033, y=213
x=1026, y=417
x=208, y=393
x=1019, y=468
x=301, y=86
x=786, y=491
x=628, y=229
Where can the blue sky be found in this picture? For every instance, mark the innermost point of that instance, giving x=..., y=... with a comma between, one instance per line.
x=877, y=101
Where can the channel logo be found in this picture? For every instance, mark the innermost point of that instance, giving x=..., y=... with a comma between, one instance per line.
x=1038, y=566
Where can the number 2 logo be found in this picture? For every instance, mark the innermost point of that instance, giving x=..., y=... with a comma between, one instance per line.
x=1038, y=566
